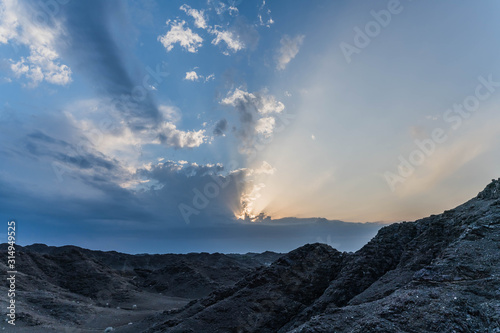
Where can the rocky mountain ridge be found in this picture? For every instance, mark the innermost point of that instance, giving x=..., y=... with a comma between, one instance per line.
x=437, y=274
x=63, y=288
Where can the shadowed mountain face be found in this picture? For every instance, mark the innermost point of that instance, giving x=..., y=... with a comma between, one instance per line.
x=438, y=274
x=70, y=288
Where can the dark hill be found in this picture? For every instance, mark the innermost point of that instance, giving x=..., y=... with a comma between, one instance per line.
x=437, y=274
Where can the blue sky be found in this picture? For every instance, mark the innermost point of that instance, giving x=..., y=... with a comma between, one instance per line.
x=163, y=122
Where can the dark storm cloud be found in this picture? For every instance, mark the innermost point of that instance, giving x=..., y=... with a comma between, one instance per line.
x=193, y=185
x=93, y=45
x=220, y=127
x=149, y=220
x=42, y=210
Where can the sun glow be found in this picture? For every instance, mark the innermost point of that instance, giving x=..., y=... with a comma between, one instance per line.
x=248, y=199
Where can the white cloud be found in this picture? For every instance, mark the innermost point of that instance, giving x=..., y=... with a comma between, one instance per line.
x=43, y=62
x=192, y=76
x=263, y=104
x=265, y=126
x=170, y=113
x=199, y=19
x=107, y=132
x=220, y=7
x=9, y=21
x=264, y=15
x=255, y=115
x=288, y=50
x=269, y=104
x=266, y=169
x=173, y=137
x=232, y=40
x=187, y=39
x=236, y=96
x=233, y=11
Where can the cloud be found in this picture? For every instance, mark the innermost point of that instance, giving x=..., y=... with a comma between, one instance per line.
x=245, y=101
x=126, y=98
x=199, y=19
x=265, y=168
x=88, y=175
x=264, y=15
x=186, y=38
x=265, y=126
x=170, y=113
x=256, y=114
x=221, y=7
x=220, y=127
x=288, y=50
x=112, y=136
x=191, y=76
x=236, y=36
x=230, y=38
x=99, y=195
x=69, y=155
x=18, y=26
x=98, y=51
x=172, y=137
x=176, y=183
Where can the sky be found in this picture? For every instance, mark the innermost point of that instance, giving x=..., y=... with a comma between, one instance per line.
x=234, y=126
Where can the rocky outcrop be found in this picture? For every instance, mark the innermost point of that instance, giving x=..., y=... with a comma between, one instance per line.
x=266, y=299
x=437, y=274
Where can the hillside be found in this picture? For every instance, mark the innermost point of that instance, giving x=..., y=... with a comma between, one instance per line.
x=71, y=288
x=437, y=274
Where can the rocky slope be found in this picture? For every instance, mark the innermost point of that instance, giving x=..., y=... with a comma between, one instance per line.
x=437, y=274
x=59, y=288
